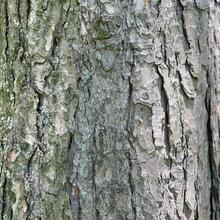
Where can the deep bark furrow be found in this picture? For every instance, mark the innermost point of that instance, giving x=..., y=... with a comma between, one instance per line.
x=39, y=121
x=28, y=3
x=183, y=25
x=72, y=181
x=20, y=32
x=6, y=52
x=4, y=199
x=29, y=163
x=165, y=104
x=28, y=177
x=127, y=46
x=67, y=16
x=186, y=209
x=131, y=185
x=210, y=151
x=214, y=189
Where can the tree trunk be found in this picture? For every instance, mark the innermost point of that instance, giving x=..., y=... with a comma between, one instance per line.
x=109, y=109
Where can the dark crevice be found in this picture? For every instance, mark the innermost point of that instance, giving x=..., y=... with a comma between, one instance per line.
x=66, y=16
x=130, y=105
x=189, y=69
x=209, y=154
x=214, y=191
x=39, y=110
x=196, y=212
x=50, y=194
x=183, y=25
x=157, y=6
x=94, y=187
x=1, y=169
x=39, y=121
x=28, y=10
x=54, y=59
x=74, y=196
x=46, y=7
x=153, y=137
x=176, y=58
x=13, y=91
x=97, y=214
x=130, y=135
x=165, y=103
x=126, y=74
x=182, y=129
x=158, y=2
x=199, y=47
x=29, y=163
x=6, y=31
x=164, y=50
x=76, y=110
x=130, y=91
x=186, y=96
x=187, y=210
x=21, y=32
x=54, y=52
x=28, y=176
x=4, y=198
x=2, y=144
x=131, y=185
x=29, y=210
x=72, y=187
x=164, y=46
x=11, y=214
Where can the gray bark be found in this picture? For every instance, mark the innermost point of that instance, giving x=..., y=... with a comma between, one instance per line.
x=109, y=109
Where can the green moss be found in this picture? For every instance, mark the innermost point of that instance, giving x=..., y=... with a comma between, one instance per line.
x=54, y=78
x=100, y=29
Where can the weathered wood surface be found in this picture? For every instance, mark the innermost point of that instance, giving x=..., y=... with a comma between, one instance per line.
x=109, y=109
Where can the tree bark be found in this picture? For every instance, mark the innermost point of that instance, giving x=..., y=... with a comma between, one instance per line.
x=109, y=109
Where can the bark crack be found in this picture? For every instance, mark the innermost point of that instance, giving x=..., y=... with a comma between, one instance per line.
x=39, y=121
x=94, y=187
x=131, y=185
x=6, y=31
x=165, y=104
x=214, y=190
x=28, y=10
x=72, y=187
x=20, y=31
x=46, y=7
x=4, y=198
x=129, y=123
x=67, y=15
x=29, y=163
x=196, y=212
x=28, y=177
x=183, y=25
x=130, y=134
x=181, y=85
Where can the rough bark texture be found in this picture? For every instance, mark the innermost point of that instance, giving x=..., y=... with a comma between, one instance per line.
x=109, y=109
